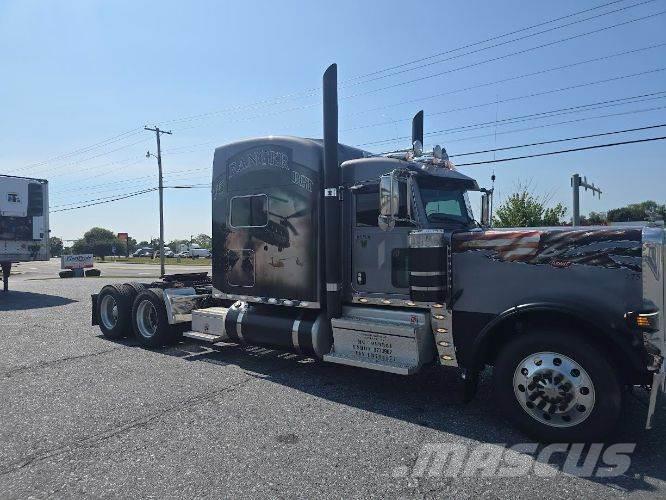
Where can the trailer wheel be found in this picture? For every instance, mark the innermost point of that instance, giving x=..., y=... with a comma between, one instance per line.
x=555, y=386
x=114, y=305
x=149, y=319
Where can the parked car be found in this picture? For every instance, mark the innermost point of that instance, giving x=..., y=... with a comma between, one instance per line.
x=167, y=253
x=184, y=255
x=143, y=252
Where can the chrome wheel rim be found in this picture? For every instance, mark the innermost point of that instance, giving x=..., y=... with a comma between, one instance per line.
x=146, y=319
x=108, y=309
x=554, y=389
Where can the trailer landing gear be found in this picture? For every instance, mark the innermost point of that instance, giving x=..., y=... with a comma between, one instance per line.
x=6, y=270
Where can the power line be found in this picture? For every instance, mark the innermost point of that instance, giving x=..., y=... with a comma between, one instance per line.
x=505, y=56
x=98, y=187
x=133, y=131
x=131, y=195
x=473, y=87
x=86, y=201
x=513, y=78
x=315, y=90
x=555, y=124
x=563, y=151
x=491, y=39
x=474, y=106
x=537, y=127
x=533, y=116
x=79, y=162
x=550, y=153
x=102, y=190
x=499, y=44
x=85, y=149
x=553, y=141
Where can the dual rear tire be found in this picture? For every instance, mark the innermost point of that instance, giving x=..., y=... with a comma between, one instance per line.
x=149, y=319
x=133, y=309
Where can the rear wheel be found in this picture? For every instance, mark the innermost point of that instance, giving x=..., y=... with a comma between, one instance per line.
x=555, y=386
x=137, y=287
x=150, y=321
x=114, y=304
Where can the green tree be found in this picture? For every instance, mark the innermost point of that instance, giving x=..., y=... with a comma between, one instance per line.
x=204, y=241
x=594, y=219
x=523, y=209
x=174, y=245
x=100, y=242
x=645, y=210
x=131, y=244
x=56, y=246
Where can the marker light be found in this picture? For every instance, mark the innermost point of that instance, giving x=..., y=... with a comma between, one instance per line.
x=644, y=321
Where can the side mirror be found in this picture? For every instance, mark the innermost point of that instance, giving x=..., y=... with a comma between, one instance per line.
x=389, y=201
x=485, y=209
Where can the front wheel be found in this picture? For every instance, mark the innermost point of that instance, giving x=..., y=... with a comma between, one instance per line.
x=555, y=386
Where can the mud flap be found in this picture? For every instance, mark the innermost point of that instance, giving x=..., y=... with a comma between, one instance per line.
x=95, y=318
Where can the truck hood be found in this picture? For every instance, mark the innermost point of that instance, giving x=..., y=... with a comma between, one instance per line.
x=609, y=247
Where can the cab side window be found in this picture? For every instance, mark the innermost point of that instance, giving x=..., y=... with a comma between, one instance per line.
x=367, y=206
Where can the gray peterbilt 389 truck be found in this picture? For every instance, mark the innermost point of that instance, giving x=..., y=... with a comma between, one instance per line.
x=377, y=262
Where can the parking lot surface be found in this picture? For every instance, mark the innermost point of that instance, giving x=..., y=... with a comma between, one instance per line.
x=83, y=416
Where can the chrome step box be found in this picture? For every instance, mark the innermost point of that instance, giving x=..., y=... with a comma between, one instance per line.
x=209, y=322
x=388, y=340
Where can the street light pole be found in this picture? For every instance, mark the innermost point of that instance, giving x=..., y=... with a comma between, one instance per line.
x=158, y=132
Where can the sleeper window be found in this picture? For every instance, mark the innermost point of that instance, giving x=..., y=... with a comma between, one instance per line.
x=249, y=211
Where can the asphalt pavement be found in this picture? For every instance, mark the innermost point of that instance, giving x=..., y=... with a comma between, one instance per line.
x=83, y=416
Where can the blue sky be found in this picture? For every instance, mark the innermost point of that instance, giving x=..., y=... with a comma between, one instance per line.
x=77, y=73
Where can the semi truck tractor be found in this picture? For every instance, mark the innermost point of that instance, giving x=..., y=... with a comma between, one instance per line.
x=377, y=262
x=24, y=222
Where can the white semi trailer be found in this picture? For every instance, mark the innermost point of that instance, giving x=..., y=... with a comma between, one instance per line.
x=24, y=222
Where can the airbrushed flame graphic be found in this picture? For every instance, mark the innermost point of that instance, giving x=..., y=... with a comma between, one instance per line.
x=610, y=248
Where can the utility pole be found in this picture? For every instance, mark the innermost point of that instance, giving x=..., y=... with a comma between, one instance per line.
x=576, y=183
x=158, y=132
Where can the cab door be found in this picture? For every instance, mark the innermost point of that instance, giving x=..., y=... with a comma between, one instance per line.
x=379, y=258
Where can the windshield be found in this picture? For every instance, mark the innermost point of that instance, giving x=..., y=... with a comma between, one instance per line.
x=443, y=202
